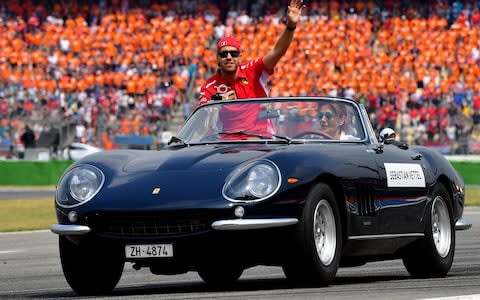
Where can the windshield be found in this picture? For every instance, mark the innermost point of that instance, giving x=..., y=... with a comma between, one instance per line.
x=290, y=120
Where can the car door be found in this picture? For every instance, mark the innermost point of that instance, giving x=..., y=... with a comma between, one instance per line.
x=355, y=166
x=401, y=194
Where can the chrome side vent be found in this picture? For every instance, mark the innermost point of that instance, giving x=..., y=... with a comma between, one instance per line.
x=365, y=200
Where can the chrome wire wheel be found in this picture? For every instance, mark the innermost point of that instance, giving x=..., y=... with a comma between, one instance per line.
x=441, y=231
x=325, y=232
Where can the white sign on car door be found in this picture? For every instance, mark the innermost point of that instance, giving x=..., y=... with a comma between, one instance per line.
x=404, y=175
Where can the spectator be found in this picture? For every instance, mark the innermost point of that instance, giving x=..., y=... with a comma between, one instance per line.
x=19, y=149
x=28, y=138
x=62, y=64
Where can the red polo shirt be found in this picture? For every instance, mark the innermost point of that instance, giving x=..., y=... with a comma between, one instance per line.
x=250, y=83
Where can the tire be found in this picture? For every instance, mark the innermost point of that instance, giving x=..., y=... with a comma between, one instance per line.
x=316, y=254
x=216, y=276
x=432, y=256
x=90, y=269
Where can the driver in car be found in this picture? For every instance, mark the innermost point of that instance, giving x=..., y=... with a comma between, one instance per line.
x=333, y=121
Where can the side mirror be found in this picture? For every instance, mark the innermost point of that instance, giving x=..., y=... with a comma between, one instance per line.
x=387, y=135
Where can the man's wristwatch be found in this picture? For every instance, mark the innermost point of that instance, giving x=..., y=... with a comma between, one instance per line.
x=291, y=28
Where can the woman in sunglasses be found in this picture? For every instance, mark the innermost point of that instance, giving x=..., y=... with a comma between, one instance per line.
x=332, y=119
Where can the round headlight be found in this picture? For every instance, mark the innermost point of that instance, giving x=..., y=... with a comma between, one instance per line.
x=253, y=182
x=79, y=185
x=84, y=184
x=261, y=180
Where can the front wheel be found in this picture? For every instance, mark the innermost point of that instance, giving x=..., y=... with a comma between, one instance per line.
x=432, y=256
x=319, y=239
x=90, y=269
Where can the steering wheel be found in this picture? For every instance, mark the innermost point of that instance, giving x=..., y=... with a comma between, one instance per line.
x=313, y=133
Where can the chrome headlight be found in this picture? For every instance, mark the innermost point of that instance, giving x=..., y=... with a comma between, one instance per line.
x=253, y=182
x=79, y=185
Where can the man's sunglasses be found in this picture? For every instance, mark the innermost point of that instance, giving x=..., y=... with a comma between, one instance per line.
x=329, y=115
x=233, y=53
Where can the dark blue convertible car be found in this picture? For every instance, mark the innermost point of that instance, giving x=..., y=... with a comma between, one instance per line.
x=303, y=183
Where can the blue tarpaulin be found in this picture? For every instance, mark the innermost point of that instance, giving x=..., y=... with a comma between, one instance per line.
x=134, y=140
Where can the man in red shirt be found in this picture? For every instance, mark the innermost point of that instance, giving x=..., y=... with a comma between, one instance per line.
x=235, y=80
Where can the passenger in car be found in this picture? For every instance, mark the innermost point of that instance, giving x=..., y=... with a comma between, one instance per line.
x=241, y=80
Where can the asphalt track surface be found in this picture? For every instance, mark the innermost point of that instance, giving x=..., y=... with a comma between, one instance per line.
x=27, y=193
x=30, y=269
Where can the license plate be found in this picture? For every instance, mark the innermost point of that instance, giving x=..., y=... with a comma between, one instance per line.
x=147, y=251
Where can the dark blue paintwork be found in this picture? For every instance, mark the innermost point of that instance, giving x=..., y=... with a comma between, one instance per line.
x=191, y=178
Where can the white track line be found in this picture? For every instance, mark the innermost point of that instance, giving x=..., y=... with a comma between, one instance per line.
x=463, y=297
x=8, y=251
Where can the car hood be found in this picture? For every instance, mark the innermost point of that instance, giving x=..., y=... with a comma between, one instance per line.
x=201, y=158
x=188, y=178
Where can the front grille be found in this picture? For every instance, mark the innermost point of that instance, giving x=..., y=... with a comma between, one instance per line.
x=148, y=225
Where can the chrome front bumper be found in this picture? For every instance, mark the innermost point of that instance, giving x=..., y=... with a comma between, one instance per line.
x=463, y=224
x=61, y=229
x=235, y=224
x=245, y=224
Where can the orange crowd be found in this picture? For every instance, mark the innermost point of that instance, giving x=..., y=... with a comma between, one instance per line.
x=136, y=65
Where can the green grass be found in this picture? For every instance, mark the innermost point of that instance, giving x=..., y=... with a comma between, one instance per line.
x=32, y=173
x=19, y=215
x=472, y=196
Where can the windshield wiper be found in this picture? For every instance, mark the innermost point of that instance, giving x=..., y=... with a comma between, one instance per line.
x=281, y=137
x=243, y=132
x=175, y=139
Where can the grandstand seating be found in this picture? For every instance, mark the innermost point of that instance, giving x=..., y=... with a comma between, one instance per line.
x=119, y=68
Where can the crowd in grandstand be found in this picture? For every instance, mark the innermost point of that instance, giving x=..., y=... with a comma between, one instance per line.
x=124, y=67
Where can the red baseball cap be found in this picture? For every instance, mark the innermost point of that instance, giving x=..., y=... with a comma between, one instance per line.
x=228, y=41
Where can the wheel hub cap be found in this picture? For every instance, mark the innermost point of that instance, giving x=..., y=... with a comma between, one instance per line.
x=325, y=232
x=441, y=230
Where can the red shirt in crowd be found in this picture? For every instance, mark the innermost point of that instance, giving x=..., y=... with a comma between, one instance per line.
x=476, y=18
x=250, y=83
x=476, y=102
x=3, y=108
